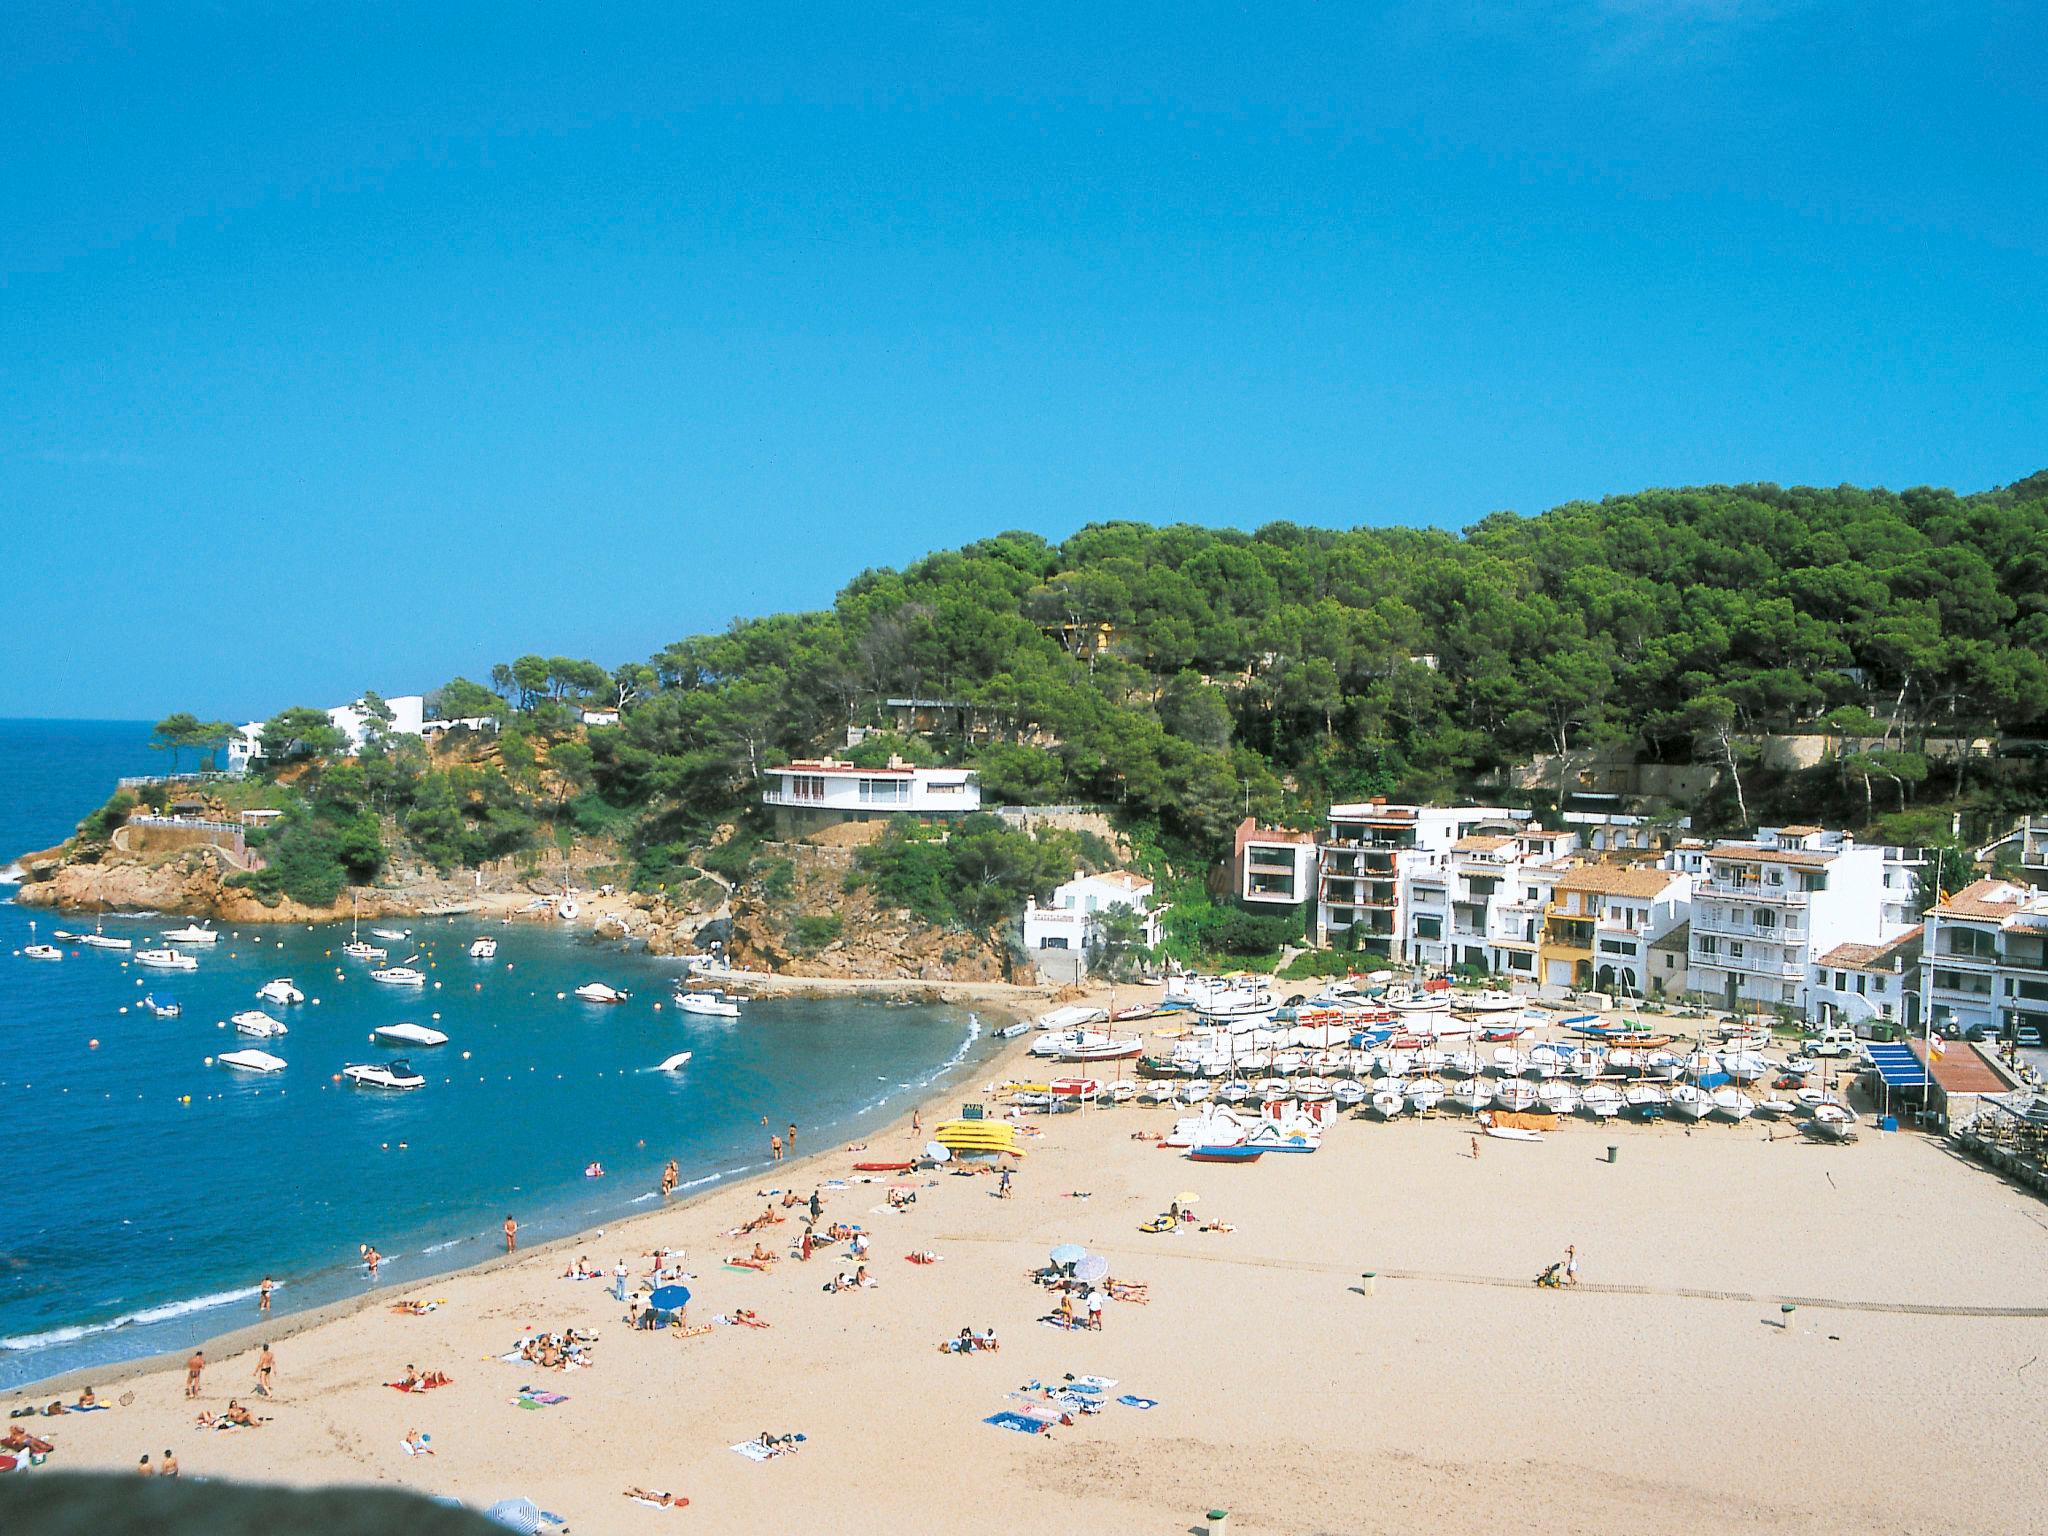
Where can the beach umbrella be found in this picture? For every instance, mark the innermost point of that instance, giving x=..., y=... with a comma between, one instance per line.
x=1094, y=1267
x=1188, y=1197
x=670, y=1298
x=1068, y=1253
x=936, y=1152
x=516, y=1515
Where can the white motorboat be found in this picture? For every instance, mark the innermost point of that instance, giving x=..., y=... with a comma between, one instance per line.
x=356, y=949
x=675, y=1063
x=1387, y=1103
x=710, y=1005
x=251, y=1061
x=280, y=990
x=258, y=1024
x=395, y=935
x=1486, y=1000
x=1775, y=1108
x=388, y=1074
x=1088, y=1045
x=399, y=976
x=1408, y=1000
x=1691, y=1101
x=165, y=1007
x=1425, y=1093
x=98, y=940
x=408, y=1034
x=1602, y=1101
x=1516, y=1095
x=483, y=947
x=1834, y=1121
x=165, y=960
x=42, y=952
x=599, y=992
x=1731, y=1103
x=191, y=934
x=1472, y=1094
x=1560, y=1096
x=1648, y=1100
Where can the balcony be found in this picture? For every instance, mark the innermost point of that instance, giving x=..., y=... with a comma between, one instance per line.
x=1269, y=858
x=1749, y=890
x=1733, y=924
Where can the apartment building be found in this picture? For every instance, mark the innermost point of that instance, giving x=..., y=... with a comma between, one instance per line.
x=1984, y=960
x=1380, y=863
x=1274, y=869
x=1602, y=921
x=1764, y=911
x=1496, y=899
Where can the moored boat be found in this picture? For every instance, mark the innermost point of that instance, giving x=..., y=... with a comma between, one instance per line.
x=258, y=1024
x=280, y=990
x=389, y=1074
x=408, y=1034
x=483, y=947
x=399, y=976
x=600, y=992
x=166, y=960
x=251, y=1061
x=191, y=934
x=710, y=1005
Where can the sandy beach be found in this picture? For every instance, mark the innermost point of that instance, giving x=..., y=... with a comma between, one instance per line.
x=1667, y=1391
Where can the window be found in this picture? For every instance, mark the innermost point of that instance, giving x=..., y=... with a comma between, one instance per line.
x=1735, y=951
x=803, y=786
x=1709, y=945
x=1789, y=993
x=1841, y=982
x=885, y=791
x=1429, y=927
x=1617, y=947
x=1862, y=985
x=1517, y=961
x=1971, y=943
x=1766, y=918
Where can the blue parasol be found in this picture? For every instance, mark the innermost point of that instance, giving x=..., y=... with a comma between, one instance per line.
x=670, y=1298
x=1069, y=1253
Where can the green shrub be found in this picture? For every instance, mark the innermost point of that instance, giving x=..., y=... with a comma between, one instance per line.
x=814, y=931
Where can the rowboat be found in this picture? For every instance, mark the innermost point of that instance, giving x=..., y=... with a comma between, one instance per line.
x=1647, y=1100
x=1733, y=1104
x=1472, y=1093
x=1388, y=1102
x=1691, y=1101
x=1603, y=1101
x=1236, y=1154
x=1559, y=1096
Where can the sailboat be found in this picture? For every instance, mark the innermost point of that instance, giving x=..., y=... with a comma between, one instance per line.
x=192, y=933
x=98, y=940
x=355, y=948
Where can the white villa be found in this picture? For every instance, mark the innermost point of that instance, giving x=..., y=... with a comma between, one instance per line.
x=808, y=795
x=1069, y=925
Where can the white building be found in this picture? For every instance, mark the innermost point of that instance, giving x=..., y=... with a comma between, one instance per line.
x=1381, y=862
x=1984, y=960
x=808, y=795
x=353, y=720
x=1499, y=887
x=1765, y=910
x=1070, y=924
x=1604, y=920
x=1868, y=983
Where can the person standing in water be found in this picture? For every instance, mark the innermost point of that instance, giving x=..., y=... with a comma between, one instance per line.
x=263, y=1295
x=790, y=1140
x=511, y=1235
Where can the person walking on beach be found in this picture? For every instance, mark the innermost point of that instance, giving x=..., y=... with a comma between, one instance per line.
x=192, y=1369
x=263, y=1295
x=1475, y=1149
x=774, y=1149
x=619, y=1281
x=266, y=1365
x=1571, y=1264
x=916, y=1121
x=511, y=1235
x=817, y=1205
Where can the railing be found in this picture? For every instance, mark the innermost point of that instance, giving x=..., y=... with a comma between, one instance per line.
x=192, y=822
x=209, y=776
x=1745, y=891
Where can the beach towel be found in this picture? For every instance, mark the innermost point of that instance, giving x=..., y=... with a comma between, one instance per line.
x=656, y=1504
x=1018, y=1422
x=754, y=1450
x=1138, y=1402
x=1091, y=1383
x=548, y=1398
x=87, y=1408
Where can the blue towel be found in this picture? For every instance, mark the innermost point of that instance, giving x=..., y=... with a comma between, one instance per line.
x=1138, y=1402
x=1016, y=1421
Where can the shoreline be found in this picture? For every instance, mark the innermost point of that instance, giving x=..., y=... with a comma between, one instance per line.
x=286, y=1325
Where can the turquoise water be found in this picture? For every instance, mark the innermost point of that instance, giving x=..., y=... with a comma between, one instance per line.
x=149, y=1192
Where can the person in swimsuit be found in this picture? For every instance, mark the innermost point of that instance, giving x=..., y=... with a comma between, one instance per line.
x=266, y=1364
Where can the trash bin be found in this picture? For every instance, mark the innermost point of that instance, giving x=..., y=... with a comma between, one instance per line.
x=1368, y=1282
x=1613, y=1153
x=1219, y=1522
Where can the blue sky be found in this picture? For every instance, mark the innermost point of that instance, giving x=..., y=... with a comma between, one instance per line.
x=347, y=346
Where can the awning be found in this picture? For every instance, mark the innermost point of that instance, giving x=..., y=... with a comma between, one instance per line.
x=1897, y=1065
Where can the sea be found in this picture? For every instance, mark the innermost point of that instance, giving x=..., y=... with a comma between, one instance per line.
x=148, y=1190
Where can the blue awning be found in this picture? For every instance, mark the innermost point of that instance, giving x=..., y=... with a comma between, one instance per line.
x=1897, y=1065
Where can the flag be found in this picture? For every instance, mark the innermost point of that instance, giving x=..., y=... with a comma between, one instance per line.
x=1935, y=1046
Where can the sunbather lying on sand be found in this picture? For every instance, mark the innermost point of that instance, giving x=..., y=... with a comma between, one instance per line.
x=1130, y=1290
x=656, y=1497
x=415, y=1308
x=416, y=1443
x=779, y=1445
x=18, y=1439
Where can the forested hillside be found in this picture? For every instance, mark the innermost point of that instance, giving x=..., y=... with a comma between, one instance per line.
x=1189, y=674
